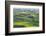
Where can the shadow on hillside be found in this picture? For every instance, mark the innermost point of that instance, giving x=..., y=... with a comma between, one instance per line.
x=18, y=26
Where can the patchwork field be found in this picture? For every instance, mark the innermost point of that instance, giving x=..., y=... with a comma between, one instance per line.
x=26, y=19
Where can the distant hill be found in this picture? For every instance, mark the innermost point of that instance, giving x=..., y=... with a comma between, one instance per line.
x=26, y=10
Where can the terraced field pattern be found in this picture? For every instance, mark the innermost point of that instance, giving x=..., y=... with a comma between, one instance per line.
x=25, y=17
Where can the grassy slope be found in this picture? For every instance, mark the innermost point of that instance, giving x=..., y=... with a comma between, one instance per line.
x=28, y=22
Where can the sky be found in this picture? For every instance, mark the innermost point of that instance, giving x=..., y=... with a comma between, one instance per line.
x=26, y=9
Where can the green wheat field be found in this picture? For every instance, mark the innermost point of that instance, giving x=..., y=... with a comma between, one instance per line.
x=25, y=17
